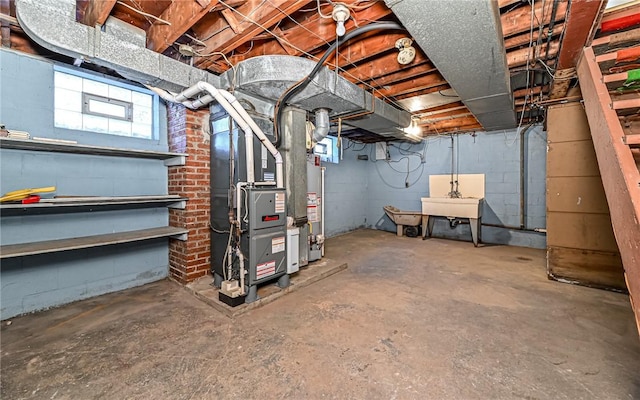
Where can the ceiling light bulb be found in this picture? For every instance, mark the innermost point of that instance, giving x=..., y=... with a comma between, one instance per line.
x=340, y=14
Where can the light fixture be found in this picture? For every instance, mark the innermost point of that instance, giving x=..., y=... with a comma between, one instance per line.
x=340, y=14
x=414, y=129
x=407, y=52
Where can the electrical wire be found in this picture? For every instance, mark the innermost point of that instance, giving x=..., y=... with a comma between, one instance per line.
x=218, y=53
x=320, y=12
x=298, y=87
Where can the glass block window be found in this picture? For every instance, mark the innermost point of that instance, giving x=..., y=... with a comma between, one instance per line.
x=88, y=103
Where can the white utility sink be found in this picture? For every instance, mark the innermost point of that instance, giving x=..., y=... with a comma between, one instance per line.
x=464, y=207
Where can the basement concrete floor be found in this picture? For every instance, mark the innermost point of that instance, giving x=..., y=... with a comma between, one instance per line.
x=409, y=319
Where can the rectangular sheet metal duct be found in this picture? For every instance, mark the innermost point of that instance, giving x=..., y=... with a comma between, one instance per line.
x=464, y=41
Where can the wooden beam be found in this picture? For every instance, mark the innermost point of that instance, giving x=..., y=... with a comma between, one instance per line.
x=404, y=73
x=625, y=104
x=580, y=23
x=356, y=51
x=521, y=56
x=455, y=125
x=315, y=32
x=233, y=22
x=381, y=66
x=97, y=12
x=266, y=14
x=620, y=175
x=423, y=91
x=443, y=107
x=412, y=85
x=616, y=40
x=620, y=18
x=456, y=112
x=519, y=19
x=523, y=39
x=182, y=15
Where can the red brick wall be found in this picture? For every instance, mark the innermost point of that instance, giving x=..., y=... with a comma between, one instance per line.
x=189, y=133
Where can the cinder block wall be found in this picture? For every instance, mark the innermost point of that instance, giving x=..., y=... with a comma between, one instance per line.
x=346, y=196
x=495, y=154
x=37, y=282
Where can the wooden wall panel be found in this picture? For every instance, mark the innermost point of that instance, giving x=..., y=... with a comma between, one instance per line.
x=580, y=231
x=581, y=246
x=575, y=158
x=577, y=194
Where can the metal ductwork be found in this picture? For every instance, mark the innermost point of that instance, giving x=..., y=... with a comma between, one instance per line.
x=267, y=77
x=464, y=41
x=119, y=46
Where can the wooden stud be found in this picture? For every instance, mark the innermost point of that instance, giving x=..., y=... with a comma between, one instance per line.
x=521, y=56
x=404, y=73
x=632, y=140
x=231, y=19
x=519, y=19
x=266, y=14
x=425, y=82
x=625, y=104
x=97, y=12
x=324, y=31
x=182, y=15
x=381, y=66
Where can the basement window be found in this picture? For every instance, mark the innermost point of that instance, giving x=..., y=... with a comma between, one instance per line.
x=327, y=149
x=90, y=103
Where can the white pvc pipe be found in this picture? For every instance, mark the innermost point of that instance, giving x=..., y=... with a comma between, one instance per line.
x=260, y=134
x=242, y=272
x=239, y=187
x=214, y=94
x=236, y=111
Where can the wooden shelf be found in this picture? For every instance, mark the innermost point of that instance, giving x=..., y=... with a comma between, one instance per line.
x=170, y=159
x=84, y=204
x=54, y=246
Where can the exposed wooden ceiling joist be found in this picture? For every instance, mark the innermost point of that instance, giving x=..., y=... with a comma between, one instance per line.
x=412, y=85
x=182, y=15
x=404, y=73
x=380, y=66
x=314, y=33
x=521, y=20
x=266, y=14
x=97, y=12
